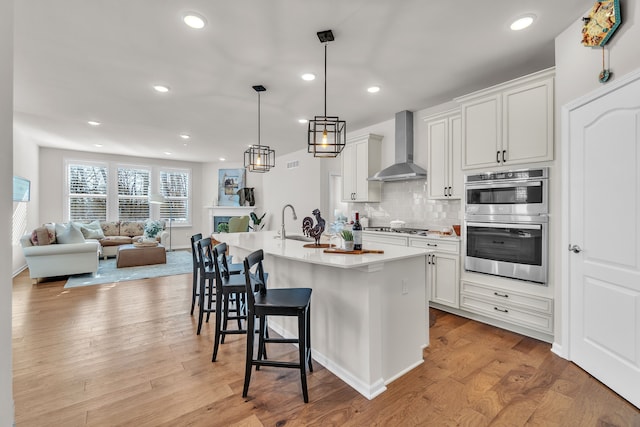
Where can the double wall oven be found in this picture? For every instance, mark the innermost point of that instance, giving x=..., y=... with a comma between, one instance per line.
x=506, y=224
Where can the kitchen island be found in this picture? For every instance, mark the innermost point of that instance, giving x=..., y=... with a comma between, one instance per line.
x=369, y=319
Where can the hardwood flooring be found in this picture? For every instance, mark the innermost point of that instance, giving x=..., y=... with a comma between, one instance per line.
x=127, y=354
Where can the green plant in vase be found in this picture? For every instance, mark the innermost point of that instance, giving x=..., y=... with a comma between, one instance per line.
x=256, y=221
x=347, y=236
x=223, y=227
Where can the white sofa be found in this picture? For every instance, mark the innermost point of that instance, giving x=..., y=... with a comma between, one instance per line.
x=60, y=259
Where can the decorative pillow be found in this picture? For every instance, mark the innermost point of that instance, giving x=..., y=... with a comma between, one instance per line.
x=51, y=226
x=40, y=237
x=131, y=228
x=68, y=233
x=92, y=230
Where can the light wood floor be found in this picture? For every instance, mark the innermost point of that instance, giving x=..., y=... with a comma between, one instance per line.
x=127, y=354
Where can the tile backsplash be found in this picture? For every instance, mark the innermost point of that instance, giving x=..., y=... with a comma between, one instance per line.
x=407, y=201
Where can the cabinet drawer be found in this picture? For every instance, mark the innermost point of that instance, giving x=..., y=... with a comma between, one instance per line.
x=507, y=313
x=510, y=298
x=440, y=245
x=378, y=238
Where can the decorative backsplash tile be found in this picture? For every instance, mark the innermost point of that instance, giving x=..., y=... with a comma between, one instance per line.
x=407, y=201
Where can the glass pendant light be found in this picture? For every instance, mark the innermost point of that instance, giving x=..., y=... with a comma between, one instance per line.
x=327, y=135
x=259, y=158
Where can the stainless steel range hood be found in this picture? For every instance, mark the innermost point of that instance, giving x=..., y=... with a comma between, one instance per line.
x=403, y=169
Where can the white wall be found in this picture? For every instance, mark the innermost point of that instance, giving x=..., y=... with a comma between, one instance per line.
x=306, y=187
x=52, y=186
x=25, y=214
x=577, y=69
x=6, y=173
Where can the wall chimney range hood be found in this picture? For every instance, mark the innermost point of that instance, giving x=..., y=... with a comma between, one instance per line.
x=403, y=169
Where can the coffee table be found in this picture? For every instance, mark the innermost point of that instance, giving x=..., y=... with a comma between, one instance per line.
x=133, y=256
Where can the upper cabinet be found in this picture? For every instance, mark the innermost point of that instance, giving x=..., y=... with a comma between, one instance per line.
x=444, y=144
x=360, y=160
x=509, y=124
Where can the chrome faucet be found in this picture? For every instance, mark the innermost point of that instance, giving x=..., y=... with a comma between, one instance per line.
x=282, y=233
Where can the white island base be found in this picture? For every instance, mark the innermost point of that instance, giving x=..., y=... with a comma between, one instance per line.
x=369, y=320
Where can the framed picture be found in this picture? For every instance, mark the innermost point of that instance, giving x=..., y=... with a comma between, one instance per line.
x=229, y=182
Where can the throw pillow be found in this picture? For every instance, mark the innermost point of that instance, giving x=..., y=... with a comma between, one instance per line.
x=92, y=230
x=68, y=233
x=52, y=231
x=40, y=236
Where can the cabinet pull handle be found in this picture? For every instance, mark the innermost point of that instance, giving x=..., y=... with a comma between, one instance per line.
x=432, y=244
x=450, y=192
x=502, y=310
x=498, y=294
x=497, y=156
x=445, y=191
x=504, y=152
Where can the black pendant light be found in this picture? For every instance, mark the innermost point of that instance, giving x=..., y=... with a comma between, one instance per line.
x=327, y=135
x=259, y=158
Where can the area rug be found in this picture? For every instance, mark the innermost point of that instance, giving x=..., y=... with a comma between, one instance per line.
x=178, y=262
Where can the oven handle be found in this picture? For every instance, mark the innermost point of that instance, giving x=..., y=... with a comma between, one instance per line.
x=490, y=185
x=501, y=225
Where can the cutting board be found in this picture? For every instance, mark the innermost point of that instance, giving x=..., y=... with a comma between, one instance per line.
x=359, y=252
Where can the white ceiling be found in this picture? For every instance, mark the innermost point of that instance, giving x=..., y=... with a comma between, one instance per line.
x=79, y=60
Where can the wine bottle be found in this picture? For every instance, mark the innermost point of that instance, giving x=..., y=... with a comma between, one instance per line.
x=357, y=234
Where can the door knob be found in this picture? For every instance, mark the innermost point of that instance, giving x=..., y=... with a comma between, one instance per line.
x=575, y=249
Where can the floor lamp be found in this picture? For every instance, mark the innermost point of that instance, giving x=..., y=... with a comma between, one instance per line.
x=159, y=199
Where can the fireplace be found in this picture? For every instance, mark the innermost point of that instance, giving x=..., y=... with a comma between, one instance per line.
x=217, y=220
x=220, y=214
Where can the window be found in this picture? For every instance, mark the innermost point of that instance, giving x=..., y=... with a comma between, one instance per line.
x=174, y=186
x=133, y=194
x=87, y=192
x=120, y=192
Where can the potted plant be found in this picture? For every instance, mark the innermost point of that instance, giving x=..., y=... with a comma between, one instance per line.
x=347, y=236
x=223, y=227
x=151, y=230
x=256, y=221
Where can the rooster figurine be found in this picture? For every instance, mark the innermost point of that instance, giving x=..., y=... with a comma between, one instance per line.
x=310, y=230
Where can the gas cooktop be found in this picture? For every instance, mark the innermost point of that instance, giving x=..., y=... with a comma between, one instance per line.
x=418, y=231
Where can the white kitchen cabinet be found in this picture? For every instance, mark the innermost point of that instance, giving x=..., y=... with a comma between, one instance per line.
x=443, y=269
x=444, y=145
x=360, y=160
x=369, y=239
x=518, y=308
x=509, y=124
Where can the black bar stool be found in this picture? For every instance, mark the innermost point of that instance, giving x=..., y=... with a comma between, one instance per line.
x=230, y=289
x=196, y=269
x=263, y=302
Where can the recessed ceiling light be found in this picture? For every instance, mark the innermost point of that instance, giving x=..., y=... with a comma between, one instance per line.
x=194, y=20
x=161, y=88
x=97, y=145
x=185, y=136
x=167, y=153
x=222, y=159
x=94, y=123
x=302, y=121
x=522, y=23
x=308, y=77
x=373, y=89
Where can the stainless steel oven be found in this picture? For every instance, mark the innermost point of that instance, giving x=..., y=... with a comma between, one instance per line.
x=506, y=224
x=508, y=246
x=519, y=192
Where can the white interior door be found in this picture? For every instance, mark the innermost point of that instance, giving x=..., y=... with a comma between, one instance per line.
x=604, y=225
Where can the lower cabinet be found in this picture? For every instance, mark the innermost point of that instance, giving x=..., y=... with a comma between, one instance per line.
x=529, y=311
x=443, y=269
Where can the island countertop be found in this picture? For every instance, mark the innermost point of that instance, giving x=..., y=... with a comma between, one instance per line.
x=271, y=244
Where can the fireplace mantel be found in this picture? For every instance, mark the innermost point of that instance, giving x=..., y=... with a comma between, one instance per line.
x=226, y=211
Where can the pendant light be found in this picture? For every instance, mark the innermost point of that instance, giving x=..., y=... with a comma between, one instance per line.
x=259, y=158
x=327, y=135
